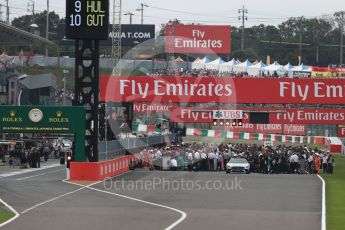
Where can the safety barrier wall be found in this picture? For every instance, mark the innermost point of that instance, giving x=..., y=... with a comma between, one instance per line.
x=97, y=171
x=334, y=144
x=119, y=163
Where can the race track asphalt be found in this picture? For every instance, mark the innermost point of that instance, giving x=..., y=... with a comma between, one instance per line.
x=211, y=200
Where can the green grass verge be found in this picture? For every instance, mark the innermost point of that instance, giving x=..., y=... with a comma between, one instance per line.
x=5, y=214
x=335, y=192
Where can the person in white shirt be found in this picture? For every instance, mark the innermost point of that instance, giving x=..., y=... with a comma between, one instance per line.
x=190, y=161
x=215, y=160
x=211, y=157
x=173, y=164
x=159, y=159
x=310, y=162
x=203, y=156
x=324, y=162
x=197, y=161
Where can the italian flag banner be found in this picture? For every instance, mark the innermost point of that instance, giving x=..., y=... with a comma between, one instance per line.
x=139, y=128
x=255, y=136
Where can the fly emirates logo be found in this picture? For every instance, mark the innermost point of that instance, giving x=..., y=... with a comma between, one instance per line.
x=316, y=90
x=198, y=41
x=185, y=88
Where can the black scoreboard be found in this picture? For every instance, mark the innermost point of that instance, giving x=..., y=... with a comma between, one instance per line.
x=87, y=19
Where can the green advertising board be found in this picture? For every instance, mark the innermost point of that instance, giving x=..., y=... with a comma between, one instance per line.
x=46, y=119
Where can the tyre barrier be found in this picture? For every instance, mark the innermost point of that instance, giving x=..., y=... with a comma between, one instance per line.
x=97, y=171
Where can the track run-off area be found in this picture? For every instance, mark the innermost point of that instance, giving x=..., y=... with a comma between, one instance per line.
x=143, y=199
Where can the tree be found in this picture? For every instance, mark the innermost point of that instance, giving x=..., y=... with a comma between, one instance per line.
x=24, y=22
x=247, y=53
x=170, y=22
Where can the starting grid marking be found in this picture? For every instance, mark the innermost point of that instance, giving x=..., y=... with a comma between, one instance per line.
x=24, y=171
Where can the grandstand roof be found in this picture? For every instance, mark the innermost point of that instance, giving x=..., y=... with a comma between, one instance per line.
x=39, y=81
x=10, y=35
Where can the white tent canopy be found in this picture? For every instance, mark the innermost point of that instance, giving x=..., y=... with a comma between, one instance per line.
x=246, y=66
x=259, y=65
x=303, y=67
x=243, y=67
x=228, y=66
x=200, y=63
x=214, y=65
x=289, y=67
x=275, y=68
x=255, y=70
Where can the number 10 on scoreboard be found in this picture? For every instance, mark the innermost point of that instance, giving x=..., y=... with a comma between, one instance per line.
x=75, y=19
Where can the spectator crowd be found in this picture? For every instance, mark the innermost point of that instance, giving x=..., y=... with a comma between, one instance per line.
x=25, y=157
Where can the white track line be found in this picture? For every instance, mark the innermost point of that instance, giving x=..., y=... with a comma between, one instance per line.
x=183, y=214
x=171, y=226
x=60, y=196
x=24, y=171
x=55, y=198
x=323, y=212
x=12, y=210
x=28, y=177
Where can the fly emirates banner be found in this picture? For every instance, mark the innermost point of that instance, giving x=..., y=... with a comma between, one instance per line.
x=222, y=90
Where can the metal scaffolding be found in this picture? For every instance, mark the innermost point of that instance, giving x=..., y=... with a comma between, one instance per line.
x=116, y=37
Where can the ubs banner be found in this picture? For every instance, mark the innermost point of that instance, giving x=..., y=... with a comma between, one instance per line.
x=276, y=116
x=131, y=35
x=222, y=90
x=195, y=39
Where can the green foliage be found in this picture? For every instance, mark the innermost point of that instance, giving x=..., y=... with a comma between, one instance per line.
x=173, y=22
x=249, y=54
x=24, y=22
x=281, y=43
x=5, y=214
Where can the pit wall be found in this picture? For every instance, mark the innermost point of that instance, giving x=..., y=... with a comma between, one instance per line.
x=97, y=171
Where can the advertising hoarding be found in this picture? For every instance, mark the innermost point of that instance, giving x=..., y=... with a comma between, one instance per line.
x=198, y=39
x=222, y=90
x=131, y=35
x=152, y=108
x=276, y=116
x=341, y=131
